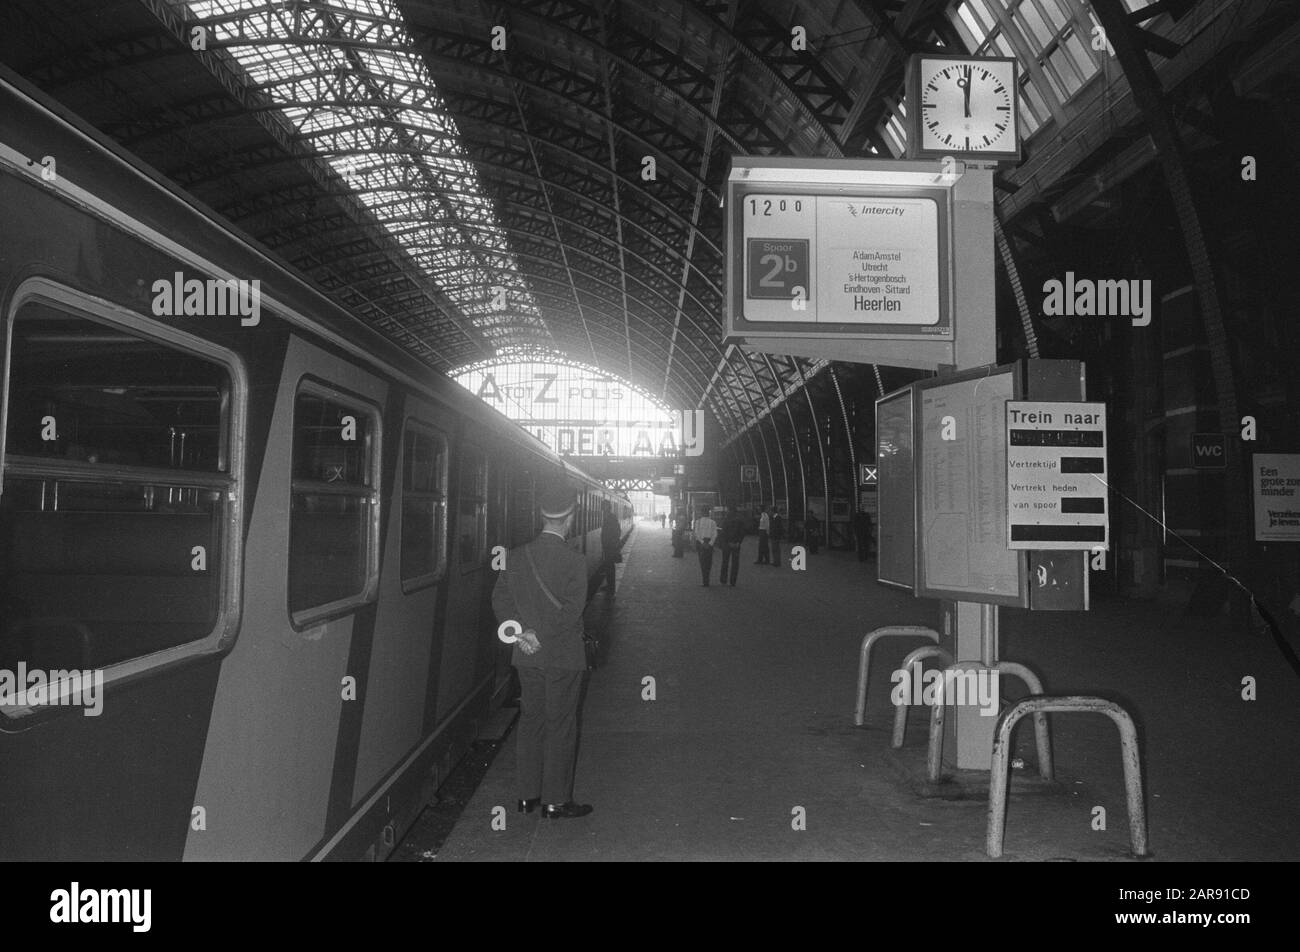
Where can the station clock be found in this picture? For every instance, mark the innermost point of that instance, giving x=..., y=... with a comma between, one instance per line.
x=966, y=107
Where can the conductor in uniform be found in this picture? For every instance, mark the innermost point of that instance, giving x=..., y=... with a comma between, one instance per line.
x=544, y=589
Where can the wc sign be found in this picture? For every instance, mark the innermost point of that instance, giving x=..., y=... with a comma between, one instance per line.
x=1208, y=451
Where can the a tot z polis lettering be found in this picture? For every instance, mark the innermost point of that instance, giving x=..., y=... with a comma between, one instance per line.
x=178, y=296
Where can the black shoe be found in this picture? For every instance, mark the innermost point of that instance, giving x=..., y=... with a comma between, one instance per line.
x=529, y=805
x=565, y=811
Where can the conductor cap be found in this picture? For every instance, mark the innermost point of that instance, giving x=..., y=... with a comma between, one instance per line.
x=557, y=502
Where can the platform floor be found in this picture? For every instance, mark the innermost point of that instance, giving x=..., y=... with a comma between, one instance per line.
x=753, y=718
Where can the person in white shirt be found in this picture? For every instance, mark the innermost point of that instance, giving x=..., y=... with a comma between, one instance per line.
x=764, y=526
x=705, y=531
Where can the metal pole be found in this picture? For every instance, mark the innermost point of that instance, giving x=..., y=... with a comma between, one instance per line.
x=864, y=657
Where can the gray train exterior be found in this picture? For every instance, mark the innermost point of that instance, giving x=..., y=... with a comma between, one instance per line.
x=268, y=529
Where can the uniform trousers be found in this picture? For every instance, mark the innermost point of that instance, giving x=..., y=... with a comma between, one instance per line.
x=547, y=736
x=764, y=556
x=706, y=559
x=730, y=560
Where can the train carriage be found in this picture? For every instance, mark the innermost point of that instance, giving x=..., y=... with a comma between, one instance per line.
x=267, y=528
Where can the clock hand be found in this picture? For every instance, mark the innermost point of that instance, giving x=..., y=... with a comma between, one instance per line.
x=964, y=83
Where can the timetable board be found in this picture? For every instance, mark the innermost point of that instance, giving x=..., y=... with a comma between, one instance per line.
x=961, y=464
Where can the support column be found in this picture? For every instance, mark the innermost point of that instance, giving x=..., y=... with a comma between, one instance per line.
x=975, y=626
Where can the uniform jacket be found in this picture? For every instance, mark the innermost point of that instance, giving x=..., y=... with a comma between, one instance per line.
x=778, y=526
x=518, y=596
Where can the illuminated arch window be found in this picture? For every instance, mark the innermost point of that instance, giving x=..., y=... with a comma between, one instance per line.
x=575, y=409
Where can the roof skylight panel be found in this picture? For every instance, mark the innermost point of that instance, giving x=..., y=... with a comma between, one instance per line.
x=376, y=117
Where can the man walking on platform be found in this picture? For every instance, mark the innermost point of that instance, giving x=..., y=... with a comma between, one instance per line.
x=777, y=533
x=705, y=531
x=611, y=542
x=733, y=532
x=544, y=589
x=764, y=526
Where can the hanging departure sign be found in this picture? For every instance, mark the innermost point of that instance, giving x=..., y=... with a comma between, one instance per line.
x=1056, y=476
x=856, y=250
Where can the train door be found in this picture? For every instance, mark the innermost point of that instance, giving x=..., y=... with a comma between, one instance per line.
x=280, y=749
x=402, y=672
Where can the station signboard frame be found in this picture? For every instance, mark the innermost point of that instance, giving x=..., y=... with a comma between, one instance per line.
x=895, y=514
x=842, y=251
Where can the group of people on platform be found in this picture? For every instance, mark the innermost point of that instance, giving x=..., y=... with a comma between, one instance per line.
x=727, y=537
x=706, y=534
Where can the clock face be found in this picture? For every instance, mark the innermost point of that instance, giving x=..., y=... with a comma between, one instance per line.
x=968, y=105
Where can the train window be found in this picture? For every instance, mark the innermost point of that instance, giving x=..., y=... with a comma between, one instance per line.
x=333, y=514
x=424, y=506
x=472, y=523
x=523, y=508
x=117, y=516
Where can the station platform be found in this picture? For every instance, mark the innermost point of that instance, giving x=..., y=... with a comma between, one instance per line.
x=753, y=718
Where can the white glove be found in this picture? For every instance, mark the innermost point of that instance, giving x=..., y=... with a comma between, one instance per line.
x=528, y=642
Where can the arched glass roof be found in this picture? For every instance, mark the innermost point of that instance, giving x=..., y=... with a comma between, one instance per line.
x=473, y=181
